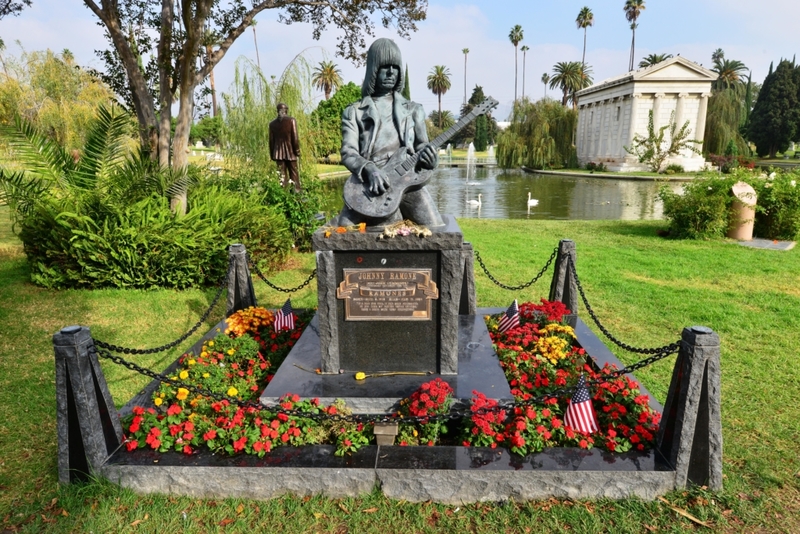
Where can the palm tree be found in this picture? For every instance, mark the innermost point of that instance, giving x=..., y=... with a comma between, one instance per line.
x=653, y=59
x=524, y=49
x=584, y=20
x=515, y=36
x=439, y=84
x=570, y=76
x=633, y=8
x=445, y=120
x=327, y=77
x=545, y=81
x=730, y=71
x=465, y=51
x=717, y=55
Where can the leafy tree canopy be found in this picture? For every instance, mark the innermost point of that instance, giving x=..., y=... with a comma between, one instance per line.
x=12, y=7
x=327, y=118
x=776, y=114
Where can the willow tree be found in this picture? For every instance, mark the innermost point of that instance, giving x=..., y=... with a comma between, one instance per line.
x=539, y=136
x=170, y=35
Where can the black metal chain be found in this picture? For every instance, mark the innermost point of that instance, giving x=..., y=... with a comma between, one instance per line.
x=669, y=349
x=451, y=415
x=522, y=286
x=254, y=265
x=184, y=337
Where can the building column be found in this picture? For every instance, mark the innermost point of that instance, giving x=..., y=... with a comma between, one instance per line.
x=590, y=131
x=632, y=124
x=701, y=122
x=658, y=98
x=679, y=107
x=599, y=130
x=618, y=150
x=581, y=143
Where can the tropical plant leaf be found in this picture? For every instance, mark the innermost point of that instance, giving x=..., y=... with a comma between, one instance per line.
x=104, y=150
x=36, y=153
x=20, y=191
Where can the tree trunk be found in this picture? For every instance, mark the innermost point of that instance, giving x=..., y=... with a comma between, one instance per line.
x=440, y=110
x=583, y=57
x=212, y=84
x=515, y=73
x=165, y=90
x=142, y=102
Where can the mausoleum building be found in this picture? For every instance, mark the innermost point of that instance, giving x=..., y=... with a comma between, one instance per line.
x=612, y=112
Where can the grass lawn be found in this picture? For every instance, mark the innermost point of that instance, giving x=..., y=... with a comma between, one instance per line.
x=644, y=288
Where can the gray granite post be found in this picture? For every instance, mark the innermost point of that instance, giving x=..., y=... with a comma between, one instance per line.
x=468, y=305
x=240, y=284
x=690, y=434
x=88, y=426
x=564, y=288
x=327, y=310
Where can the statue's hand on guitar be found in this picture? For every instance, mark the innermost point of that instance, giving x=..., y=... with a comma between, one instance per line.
x=428, y=157
x=376, y=178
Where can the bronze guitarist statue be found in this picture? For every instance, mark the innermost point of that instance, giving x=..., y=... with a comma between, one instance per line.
x=381, y=133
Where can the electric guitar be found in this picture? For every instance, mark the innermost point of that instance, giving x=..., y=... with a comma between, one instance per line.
x=401, y=173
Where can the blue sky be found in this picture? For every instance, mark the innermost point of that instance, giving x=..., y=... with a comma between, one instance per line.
x=748, y=31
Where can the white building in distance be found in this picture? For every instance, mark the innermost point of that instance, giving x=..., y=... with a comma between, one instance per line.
x=613, y=111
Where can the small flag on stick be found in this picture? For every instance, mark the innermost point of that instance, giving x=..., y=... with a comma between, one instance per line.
x=580, y=412
x=284, y=318
x=510, y=319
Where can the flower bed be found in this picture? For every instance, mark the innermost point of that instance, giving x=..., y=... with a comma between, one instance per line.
x=539, y=357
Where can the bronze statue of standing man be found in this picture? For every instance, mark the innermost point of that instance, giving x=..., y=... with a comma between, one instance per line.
x=284, y=146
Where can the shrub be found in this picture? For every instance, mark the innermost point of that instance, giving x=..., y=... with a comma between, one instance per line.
x=778, y=206
x=599, y=166
x=674, y=168
x=701, y=212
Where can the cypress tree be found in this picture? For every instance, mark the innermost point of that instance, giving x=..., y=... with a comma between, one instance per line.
x=481, y=134
x=776, y=115
x=406, y=86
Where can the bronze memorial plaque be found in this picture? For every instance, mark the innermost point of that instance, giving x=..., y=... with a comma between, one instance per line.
x=387, y=294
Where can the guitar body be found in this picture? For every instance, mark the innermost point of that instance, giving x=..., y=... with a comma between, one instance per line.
x=358, y=197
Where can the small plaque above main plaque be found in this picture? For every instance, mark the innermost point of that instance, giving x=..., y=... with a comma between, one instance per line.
x=387, y=294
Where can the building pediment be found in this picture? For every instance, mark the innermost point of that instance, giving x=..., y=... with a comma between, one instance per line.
x=675, y=69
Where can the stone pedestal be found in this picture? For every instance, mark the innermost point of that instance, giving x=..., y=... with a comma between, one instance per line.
x=388, y=305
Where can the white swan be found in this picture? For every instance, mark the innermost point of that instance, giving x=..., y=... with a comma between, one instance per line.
x=532, y=202
x=475, y=203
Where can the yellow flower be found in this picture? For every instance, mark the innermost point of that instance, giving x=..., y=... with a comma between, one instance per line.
x=158, y=401
x=161, y=395
x=204, y=354
x=232, y=391
x=206, y=375
x=191, y=362
x=415, y=433
x=360, y=376
x=182, y=393
x=184, y=375
x=210, y=343
x=231, y=352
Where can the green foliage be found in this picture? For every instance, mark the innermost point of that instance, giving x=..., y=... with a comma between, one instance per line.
x=727, y=113
x=539, y=136
x=701, y=212
x=52, y=93
x=778, y=207
x=327, y=119
x=481, y=133
x=406, y=86
x=654, y=149
x=467, y=134
x=105, y=220
x=776, y=114
x=208, y=129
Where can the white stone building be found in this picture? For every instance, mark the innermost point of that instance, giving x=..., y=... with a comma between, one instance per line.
x=613, y=111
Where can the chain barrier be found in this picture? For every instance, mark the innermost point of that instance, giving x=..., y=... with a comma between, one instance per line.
x=184, y=337
x=669, y=349
x=273, y=286
x=451, y=415
x=522, y=286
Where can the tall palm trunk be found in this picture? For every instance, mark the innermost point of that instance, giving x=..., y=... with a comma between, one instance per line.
x=515, y=73
x=583, y=57
x=440, y=110
x=213, y=86
x=633, y=44
x=465, y=79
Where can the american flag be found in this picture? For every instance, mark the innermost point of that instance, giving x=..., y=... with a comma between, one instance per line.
x=510, y=319
x=284, y=318
x=580, y=412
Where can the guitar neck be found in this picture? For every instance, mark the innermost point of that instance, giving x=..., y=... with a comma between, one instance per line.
x=454, y=129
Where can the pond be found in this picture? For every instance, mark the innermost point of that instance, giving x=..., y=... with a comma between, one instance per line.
x=504, y=195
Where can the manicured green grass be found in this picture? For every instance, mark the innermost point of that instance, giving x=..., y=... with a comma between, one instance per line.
x=645, y=290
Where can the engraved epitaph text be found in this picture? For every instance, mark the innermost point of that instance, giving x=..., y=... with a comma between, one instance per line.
x=387, y=294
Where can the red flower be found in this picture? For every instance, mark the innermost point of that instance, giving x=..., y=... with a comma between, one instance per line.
x=211, y=434
x=174, y=410
x=131, y=445
x=239, y=444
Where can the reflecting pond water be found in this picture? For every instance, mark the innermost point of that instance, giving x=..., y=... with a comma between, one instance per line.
x=504, y=195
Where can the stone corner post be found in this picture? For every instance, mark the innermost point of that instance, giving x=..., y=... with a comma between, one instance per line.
x=564, y=287
x=468, y=302
x=87, y=423
x=240, y=284
x=690, y=434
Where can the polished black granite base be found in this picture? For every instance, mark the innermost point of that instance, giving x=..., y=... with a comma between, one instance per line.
x=395, y=457
x=478, y=370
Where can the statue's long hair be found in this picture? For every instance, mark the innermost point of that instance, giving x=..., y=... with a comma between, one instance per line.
x=382, y=52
